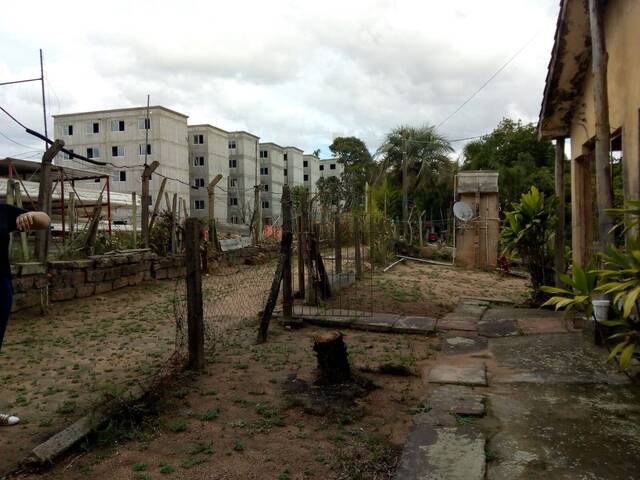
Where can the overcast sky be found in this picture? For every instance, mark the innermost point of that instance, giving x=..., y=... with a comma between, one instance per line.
x=293, y=72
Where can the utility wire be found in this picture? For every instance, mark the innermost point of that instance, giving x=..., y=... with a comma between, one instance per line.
x=14, y=141
x=497, y=72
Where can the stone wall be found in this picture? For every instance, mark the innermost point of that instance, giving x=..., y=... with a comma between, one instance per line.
x=65, y=280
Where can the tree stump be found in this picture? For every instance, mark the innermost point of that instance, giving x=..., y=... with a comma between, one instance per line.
x=333, y=363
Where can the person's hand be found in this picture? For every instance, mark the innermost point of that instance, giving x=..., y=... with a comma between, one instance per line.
x=24, y=222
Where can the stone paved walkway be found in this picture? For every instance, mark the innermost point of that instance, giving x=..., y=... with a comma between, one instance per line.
x=520, y=394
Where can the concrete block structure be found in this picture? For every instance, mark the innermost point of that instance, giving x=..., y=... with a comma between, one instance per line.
x=477, y=239
x=271, y=181
x=118, y=137
x=208, y=157
x=311, y=167
x=243, y=176
x=294, y=171
x=330, y=167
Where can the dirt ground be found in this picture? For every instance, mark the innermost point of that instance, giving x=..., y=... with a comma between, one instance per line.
x=425, y=289
x=235, y=422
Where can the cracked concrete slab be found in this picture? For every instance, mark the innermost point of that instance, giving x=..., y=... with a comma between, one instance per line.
x=474, y=375
x=378, y=322
x=442, y=453
x=452, y=321
x=415, y=324
x=503, y=327
x=457, y=344
x=457, y=400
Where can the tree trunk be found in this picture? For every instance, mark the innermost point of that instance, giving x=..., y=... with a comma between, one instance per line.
x=405, y=194
x=603, y=138
x=333, y=362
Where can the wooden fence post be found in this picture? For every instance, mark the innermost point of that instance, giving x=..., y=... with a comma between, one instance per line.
x=144, y=201
x=301, y=281
x=44, y=198
x=310, y=297
x=134, y=219
x=174, y=224
x=338, y=240
x=356, y=243
x=213, y=234
x=156, y=205
x=287, y=288
x=195, y=319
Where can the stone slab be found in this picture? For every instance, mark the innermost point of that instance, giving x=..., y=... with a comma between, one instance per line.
x=537, y=326
x=414, y=324
x=378, y=322
x=457, y=344
x=471, y=309
x=473, y=375
x=327, y=321
x=457, y=400
x=465, y=324
x=498, y=328
x=442, y=453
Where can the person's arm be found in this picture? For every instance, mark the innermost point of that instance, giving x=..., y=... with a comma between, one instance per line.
x=32, y=221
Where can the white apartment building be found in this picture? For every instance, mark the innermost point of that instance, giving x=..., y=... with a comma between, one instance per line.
x=311, y=168
x=293, y=170
x=243, y=176
x=119, y=137
x=271, y=181
x=330, y=167
x=208, y=157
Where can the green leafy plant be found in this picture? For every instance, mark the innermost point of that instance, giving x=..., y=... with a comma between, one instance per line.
x=620, y=277
x=526, y=233
x=578, y=292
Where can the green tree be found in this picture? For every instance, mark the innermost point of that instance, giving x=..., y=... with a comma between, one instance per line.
x=515, y=152
x=358, y=168
x=418, y=155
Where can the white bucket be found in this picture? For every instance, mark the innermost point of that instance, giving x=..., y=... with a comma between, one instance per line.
x=600, y=310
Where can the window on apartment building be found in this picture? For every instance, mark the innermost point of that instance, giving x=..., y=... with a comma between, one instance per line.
x=233, y=163
x=68, y=130
x=198, y=139
x=141, y=149
x=199, y=204
x=198, y=182
x=265, y=187
x=67, y=156
x=268, y=221
x=93, y=152
x=117, y=125
x=264, y=170
x=286, y=157
x=144, y=123
x=198, y=161
x=332, y=166
x=93, y=127
x=285, y=172
x=234, y=219
x=306, y=178
x=123, y=175
x=97, y=180
x=305, y=163
x=232, y=144
x=117, y=151
x=233, y=182
x=264, y=154
x=321, y=168
x=265, y=204
x=150, y=201
x=233, y=201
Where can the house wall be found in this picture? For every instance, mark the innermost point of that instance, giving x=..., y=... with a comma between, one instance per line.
x=167, y=136
x=295, y=171
x=622, y=37
x=215, y=150
x=312, y=172
x=244, y=175
x=274, y=179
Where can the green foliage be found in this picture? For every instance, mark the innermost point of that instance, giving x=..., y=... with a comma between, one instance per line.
x=579, y=291
x=330, y=191
x=160, y=235
x=358, y=164
x=526, y=233
x=628, y=216
x=521, y=159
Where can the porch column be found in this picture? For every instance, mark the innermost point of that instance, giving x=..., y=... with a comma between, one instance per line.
x=559, y=184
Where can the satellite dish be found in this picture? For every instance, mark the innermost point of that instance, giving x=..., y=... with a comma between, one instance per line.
x=462, y=211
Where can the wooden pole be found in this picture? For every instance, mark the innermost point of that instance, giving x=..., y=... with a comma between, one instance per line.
x=310, y=292
x=72, y=214
x=17, y=192
x=559, y=184
x=405, y=190
x=134, y=219
x=338, y=240
x=420, y=229
x=146, y=177
x=174, y=223
x=212, y=211
x=301, y=281
x=44, y=198
x=287, y=229
x=356, y=243
x=195, y=319
x=599, y=59
x=156, y=205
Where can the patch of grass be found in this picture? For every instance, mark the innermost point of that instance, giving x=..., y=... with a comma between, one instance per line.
x=205, y=448
x=285, y=474
x=462, y=420
x=67, y=408
x=139, y=467
x=238, y=446
x=191, y=462
x=270, y=418
x=210, y=415
x=165, y=468
x=178, y=425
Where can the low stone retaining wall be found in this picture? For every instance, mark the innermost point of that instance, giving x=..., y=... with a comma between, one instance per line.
x=65, y=280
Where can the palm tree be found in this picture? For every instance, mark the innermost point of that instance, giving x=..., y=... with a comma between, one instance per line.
x=419, y=149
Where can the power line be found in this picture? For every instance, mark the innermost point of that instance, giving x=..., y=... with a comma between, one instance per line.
x=497, y=72
x=14, y=141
